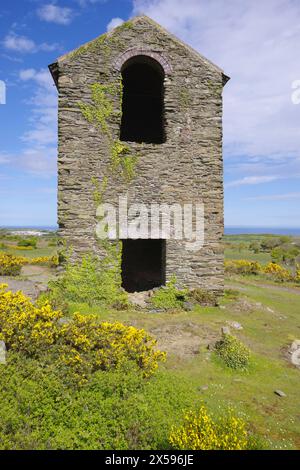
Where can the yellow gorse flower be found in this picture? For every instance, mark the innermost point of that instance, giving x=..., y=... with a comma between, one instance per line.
x=11, y=265
x=82, y=342
x=273, y=270
x=200, y=431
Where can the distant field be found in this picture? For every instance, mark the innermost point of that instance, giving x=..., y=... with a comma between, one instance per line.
x=248, y=255
x=9, y=244
x=234, y=250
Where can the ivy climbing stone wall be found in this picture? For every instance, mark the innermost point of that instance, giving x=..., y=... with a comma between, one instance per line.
x=186, y=168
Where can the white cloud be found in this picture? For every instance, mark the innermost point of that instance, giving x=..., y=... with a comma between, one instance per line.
x=55, y=14
x=275, y=197
x=40, y=140
x=40, y=160
x=18, y=43
x=249, y=180
x=41, y=77
x=4, y=158
x=256, y=43
x=114, y=23
x=23, y=44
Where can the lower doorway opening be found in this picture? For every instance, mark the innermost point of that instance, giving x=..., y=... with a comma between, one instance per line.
x=143, y=264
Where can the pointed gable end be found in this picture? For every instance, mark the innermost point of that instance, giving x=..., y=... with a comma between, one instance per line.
x=143, y=26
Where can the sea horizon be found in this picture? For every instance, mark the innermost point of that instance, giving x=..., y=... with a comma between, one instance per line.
x=228, y=230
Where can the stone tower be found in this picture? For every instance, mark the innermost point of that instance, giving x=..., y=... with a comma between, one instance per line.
x=140, y=116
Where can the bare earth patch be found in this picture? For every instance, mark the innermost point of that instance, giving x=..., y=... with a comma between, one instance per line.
x=183, y=340
x=32, y=282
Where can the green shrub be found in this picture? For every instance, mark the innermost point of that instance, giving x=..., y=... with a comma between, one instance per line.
x=91, y=280
x=28, y=242
x=233, y=352
x=116, y=410
x=203, y=297
x=169, y=297
x=231, y=294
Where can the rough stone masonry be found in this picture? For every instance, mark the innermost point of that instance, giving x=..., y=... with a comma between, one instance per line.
x=187, y=166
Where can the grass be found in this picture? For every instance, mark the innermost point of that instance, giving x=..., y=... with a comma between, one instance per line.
x=42, y=248
x=270, y=320
x=235, y=253
x=269, y=315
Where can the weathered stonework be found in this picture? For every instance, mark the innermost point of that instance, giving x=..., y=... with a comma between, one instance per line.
x=187, y=167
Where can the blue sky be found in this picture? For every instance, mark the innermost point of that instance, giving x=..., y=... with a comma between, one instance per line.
x=255, y=42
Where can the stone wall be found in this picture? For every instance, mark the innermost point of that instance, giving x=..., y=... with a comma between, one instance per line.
x=187, y=167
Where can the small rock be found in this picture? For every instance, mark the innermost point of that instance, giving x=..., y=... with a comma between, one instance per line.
x=188, y=306
x=225, y=330
x=64, y=321
x=295, y=358
x=235, y=325
x=270, y=310
x=222, y=307
x=156, y=310
x=295, y=345
x=138, y=299
x=2, y=352
x=203, y=388
x=280, y=393
x=42, y=288
x=295, y=353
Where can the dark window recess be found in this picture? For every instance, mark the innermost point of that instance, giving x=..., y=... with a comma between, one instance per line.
x=143, y=264
x=143, y=101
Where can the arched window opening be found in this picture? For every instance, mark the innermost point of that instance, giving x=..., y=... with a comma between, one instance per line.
x=143, y=101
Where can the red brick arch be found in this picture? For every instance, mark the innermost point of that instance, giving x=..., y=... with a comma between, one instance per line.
x=120, y=61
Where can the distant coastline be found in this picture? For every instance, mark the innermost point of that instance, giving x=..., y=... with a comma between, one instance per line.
x=229, y=230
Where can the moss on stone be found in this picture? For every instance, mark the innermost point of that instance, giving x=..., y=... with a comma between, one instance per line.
x=98, y=113
x=123, y=161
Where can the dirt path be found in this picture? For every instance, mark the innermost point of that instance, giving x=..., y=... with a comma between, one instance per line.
x=30, y=288
x=33, y=280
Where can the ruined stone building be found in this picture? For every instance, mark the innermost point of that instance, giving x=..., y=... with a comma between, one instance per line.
x=140, y=113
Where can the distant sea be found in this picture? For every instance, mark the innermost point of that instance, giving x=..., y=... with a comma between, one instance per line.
x=228, y=230
x=262, y=230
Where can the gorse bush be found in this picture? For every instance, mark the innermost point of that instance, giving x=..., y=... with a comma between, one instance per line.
x=169, y=297
x=24, y=327
x=201, y=431
x=242, y=267
x=277, y=272
x=11, y=265
x=91, y=280
x=297, y=276
x=78, y=346
x=90, y=345
x=233, y=352
x=272, y=270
